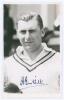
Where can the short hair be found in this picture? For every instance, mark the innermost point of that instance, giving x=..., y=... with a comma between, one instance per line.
x=30, y=16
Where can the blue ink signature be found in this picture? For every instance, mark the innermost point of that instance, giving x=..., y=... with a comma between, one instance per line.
x=35, y=81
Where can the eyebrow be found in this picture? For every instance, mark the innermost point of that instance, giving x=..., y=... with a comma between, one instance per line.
x=23, y=31
x=30, y=30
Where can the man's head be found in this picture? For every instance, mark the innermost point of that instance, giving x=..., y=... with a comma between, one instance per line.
x=30, y=31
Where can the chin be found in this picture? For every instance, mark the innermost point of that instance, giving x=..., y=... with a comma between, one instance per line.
x=29, y=48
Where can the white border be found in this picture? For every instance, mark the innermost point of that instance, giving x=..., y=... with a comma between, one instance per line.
x=30, y=1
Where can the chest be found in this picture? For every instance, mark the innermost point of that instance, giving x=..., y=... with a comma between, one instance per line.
x=43, y=76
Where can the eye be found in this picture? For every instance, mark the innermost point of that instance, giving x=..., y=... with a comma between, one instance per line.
x=23, y=31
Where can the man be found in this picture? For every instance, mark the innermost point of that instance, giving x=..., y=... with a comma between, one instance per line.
x=33, y=68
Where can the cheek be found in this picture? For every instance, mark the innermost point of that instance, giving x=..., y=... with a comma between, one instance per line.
x=38, y=37
x=20, y=37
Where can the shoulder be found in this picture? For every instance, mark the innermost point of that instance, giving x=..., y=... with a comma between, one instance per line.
x=8, y=59
x=11, y=59
x=54, y=55
x=57, y=55
x=8, y=62
x=46, y=48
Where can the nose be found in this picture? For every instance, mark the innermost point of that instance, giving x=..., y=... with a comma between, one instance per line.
x=27, y=35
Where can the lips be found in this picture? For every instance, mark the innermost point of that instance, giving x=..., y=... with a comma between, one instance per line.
x=28, y=41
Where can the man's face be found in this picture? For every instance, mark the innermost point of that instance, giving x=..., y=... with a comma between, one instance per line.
x=29, y=34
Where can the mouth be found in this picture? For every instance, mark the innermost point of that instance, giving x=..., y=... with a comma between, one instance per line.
x=28, y=43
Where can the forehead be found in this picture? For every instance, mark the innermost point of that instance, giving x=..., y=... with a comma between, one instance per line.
x=33, y=23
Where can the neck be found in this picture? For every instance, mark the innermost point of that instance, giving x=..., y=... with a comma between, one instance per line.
x=34, y=54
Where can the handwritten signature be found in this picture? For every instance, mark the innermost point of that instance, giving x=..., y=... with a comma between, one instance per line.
x=35, y=81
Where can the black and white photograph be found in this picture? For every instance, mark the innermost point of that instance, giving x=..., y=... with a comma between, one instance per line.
x=31, y=50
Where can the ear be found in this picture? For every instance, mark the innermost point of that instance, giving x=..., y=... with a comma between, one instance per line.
x=43, y=33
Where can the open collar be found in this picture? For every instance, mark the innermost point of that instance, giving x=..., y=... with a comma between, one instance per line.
x=23, y=58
